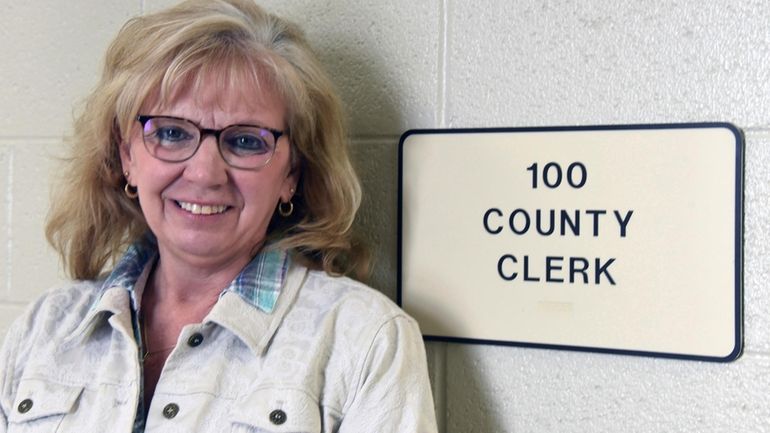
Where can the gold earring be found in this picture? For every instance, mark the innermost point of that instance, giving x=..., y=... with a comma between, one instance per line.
x=283, y=211
x=131, y=191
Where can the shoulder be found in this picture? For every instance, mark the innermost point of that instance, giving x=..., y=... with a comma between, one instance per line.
x=348, y=299
x=375, y=361
x=353, y=317
x=56, y=313
x=41, y=330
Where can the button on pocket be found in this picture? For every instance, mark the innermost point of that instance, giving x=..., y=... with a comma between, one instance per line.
x=38, y=399
x=276, y=410
x=25, y=405
x=170, y=410
x=278, y=417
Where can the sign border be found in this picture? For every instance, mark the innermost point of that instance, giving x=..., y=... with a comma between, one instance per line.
x=739, y=241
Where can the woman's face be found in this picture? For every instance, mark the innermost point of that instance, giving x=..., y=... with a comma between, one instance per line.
x=234, y=206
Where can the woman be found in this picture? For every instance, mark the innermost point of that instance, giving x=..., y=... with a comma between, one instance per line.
x=210, y=166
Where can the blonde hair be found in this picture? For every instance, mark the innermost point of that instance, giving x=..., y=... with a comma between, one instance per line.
x=92, y=221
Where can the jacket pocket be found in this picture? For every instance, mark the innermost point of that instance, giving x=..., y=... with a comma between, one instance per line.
x=276, y=410
x=41, y=405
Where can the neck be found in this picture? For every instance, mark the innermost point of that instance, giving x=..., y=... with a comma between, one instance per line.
x=185, y=280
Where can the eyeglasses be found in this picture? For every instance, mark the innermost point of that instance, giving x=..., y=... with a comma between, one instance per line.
x=172, y=139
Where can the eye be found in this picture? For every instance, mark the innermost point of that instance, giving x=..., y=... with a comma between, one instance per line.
x=171, y=135
x=248, y=141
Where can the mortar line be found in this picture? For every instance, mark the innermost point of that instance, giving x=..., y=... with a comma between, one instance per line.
x=33, y=138
x=756, y=354
x=9, y=224
x=756, y=129
x=441, y=386
x=442, y=61
x=374, y=138
x=440, y=355
x=15, y=304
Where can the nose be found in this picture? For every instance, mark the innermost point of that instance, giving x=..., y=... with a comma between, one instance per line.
x=206, y=167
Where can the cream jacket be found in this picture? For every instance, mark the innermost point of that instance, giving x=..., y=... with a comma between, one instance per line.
x=334, y=356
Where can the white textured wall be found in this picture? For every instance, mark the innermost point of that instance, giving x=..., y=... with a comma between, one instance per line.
x=453, y=63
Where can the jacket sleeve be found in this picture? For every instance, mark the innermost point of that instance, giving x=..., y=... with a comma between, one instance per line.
x=3, y=422
x=393, y=392
x=8, y=355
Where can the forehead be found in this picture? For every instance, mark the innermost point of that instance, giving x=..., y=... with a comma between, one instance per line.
x=227, y=89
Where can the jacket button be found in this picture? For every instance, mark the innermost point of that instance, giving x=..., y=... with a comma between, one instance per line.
x=170, y=410
x=25, y=405
x=195, y=340
x=278, y=417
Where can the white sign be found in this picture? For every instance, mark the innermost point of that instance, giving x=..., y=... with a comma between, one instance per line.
x=614, y=239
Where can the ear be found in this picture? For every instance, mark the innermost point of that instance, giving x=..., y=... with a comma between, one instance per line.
x=126, y=159
x=289, y=186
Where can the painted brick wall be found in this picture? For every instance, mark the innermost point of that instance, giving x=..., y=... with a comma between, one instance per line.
x=451, y=63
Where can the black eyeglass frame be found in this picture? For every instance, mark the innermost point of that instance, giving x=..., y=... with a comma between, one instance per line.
x=202, y=132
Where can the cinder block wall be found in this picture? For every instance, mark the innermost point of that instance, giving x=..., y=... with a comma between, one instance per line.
x=451, y=63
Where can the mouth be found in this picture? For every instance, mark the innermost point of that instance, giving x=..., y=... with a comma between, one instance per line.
x=199, y=209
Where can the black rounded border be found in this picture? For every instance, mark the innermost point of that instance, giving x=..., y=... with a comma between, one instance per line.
x=739, y=241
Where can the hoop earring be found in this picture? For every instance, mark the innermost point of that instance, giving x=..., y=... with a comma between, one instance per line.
x=131, y=191
x=283, y=211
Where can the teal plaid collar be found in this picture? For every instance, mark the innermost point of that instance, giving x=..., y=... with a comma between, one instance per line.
x=259, y=283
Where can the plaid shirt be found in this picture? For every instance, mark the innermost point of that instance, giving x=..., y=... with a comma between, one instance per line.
x=259, y=283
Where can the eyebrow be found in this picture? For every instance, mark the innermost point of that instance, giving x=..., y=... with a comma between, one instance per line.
x=253, y=125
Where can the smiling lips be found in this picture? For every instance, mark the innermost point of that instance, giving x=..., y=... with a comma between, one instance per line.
x=198, y=209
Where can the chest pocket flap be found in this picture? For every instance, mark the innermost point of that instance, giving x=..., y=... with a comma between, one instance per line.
x=37, y=399
x=278, y=410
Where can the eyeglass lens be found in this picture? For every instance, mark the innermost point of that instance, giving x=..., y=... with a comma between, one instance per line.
x=175, y=140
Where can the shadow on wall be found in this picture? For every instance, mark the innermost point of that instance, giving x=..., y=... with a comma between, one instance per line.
x=361, y=79
x=374, y=103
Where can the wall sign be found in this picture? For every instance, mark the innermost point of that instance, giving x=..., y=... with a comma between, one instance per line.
x=624, y=239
